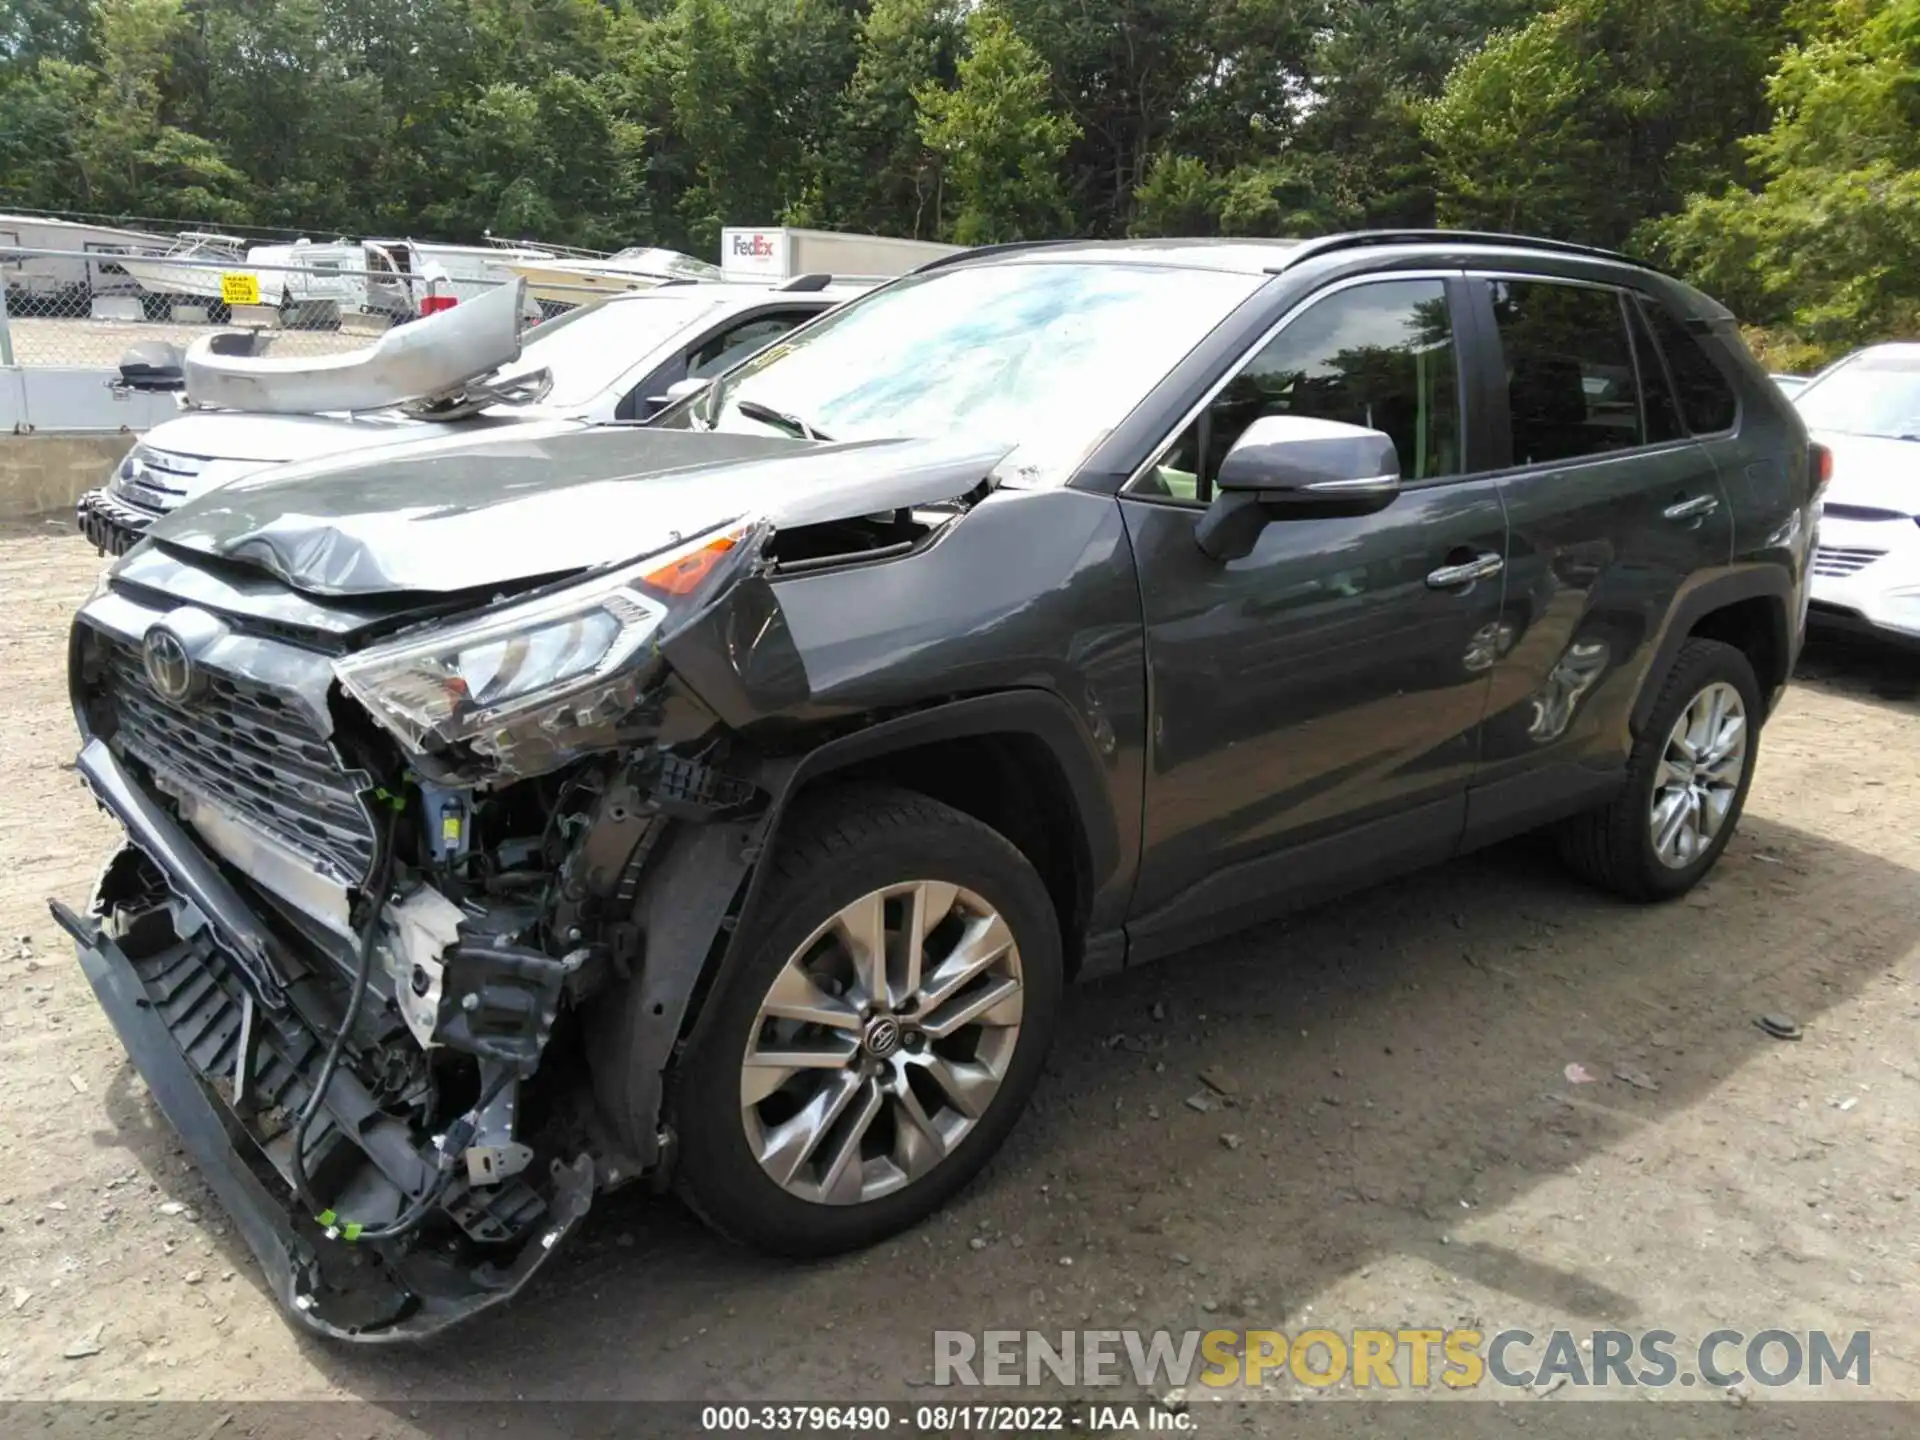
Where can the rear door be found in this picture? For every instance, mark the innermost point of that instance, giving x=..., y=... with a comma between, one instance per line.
x=1315, y=706
x=1611, y=509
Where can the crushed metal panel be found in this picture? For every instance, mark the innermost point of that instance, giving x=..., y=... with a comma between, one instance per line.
x=429, y=357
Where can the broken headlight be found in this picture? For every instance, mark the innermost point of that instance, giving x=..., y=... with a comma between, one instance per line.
x=516, y=684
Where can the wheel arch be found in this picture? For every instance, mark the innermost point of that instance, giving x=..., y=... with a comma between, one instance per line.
x=1018, y=761
x=1749, y=610
x=967, y=753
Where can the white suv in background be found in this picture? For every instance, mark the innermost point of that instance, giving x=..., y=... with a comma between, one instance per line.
x=1866, y=410
x=612, y=360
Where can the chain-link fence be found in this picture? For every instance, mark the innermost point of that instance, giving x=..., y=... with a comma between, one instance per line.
x=88, y=308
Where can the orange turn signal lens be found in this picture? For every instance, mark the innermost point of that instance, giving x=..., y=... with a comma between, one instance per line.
x=683, y=574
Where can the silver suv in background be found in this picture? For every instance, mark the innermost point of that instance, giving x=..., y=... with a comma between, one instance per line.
x=609, y=361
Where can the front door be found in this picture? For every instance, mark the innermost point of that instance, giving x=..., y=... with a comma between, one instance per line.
x=1611, y=506
x=1315, y=706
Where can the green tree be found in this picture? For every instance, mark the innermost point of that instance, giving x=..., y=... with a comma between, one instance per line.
x=1218, y=82
x=755, y=88
x=1600, y=114
x=129, y=154
x=883, y=176
x=999, y=138
x=1180, y=196
x=1829, y=242
x=36, y=30
x=43, y=117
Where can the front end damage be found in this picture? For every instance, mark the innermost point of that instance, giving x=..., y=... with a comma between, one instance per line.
x=488, y=861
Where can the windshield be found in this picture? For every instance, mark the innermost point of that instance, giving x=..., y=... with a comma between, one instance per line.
x=590, y=348
x=1874, y=395
x=1045, y=357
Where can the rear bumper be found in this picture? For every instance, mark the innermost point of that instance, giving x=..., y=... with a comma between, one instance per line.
x=112, y=526
x=228, y=1069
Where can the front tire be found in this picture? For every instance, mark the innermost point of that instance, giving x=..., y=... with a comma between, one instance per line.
x=901, y=987
x=1687, y=781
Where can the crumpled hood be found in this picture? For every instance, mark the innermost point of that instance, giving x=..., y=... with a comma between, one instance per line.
x=1873, y=472
x=546, y=500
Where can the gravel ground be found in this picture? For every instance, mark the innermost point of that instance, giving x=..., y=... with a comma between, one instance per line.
x=1408, y=1148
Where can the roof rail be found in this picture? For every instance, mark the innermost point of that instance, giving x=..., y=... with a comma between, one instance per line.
x=814, y=280
x=1356, y=239
x=1006, y=247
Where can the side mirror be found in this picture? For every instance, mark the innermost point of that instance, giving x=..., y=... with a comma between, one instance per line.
x=679, y=390
x=1290, y=467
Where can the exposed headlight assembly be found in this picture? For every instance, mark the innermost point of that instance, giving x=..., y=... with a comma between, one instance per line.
x=531, y=684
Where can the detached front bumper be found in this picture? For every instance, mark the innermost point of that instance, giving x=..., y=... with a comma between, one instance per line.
x=205, y=1042
x=111, y=525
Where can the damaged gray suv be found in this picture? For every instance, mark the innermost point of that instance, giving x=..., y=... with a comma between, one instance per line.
x=727, y=804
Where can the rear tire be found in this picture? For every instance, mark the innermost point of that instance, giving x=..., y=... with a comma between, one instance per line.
x=920, y=1058
x=1665, y=829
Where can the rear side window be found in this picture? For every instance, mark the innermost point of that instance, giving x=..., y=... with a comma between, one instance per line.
x=1571, y=390
x=1656, y=386
x=1706, y=399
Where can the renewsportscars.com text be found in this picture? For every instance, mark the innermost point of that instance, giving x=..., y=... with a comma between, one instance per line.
x=1404, y=1358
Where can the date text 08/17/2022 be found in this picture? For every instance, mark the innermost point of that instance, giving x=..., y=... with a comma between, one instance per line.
x=944, y=1418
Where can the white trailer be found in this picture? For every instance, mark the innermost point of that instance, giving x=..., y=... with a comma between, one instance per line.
x=466, y=272
x=781, y=252
x=42, y=282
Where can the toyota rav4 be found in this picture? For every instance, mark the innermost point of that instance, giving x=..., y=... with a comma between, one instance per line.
x=728, y=803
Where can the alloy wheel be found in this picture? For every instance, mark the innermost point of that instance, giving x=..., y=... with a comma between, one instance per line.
x=881, y=1042
x=1699, y=775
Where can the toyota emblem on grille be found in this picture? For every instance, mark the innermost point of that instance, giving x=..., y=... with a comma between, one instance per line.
x=167, y=663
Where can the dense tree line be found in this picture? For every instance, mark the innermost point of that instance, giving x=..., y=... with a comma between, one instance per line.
x=1771, y=147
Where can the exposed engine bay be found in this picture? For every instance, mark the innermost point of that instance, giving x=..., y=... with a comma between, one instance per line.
x=422, y=897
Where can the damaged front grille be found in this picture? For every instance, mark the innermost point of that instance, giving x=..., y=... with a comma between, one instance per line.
x=253, y=753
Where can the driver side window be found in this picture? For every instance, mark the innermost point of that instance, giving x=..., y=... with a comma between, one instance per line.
x=1379, y=354
x=730, y=347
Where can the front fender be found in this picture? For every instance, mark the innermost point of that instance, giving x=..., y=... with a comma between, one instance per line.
x=701, y=897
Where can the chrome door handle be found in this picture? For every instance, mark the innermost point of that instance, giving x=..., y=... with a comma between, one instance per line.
x=1692, y=509
x=1447, y=577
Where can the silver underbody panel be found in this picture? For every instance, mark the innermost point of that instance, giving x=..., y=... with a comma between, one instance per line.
x=264, y=860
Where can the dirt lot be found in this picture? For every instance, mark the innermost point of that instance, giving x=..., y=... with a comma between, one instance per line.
x=1410, y=1149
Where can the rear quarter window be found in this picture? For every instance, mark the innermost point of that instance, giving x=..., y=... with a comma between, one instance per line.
x=1707, y=398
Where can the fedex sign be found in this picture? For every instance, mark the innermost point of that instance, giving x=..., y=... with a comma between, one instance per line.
x=759, y=254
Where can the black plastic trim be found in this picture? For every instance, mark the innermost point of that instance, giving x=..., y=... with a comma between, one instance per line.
x=1768, y=582
x=1236, y=896
x=1533, y=798
x=1365, y=238
x=981, y=252
x=287, y=1260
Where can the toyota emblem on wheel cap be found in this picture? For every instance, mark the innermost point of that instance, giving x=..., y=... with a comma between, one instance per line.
x=167, y=663
x=882, y=1036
